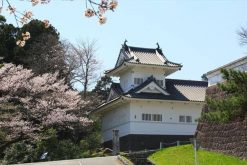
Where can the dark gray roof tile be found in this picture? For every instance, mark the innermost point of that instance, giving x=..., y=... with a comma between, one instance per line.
x=180, y=90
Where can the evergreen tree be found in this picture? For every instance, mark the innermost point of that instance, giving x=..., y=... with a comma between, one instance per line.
x=231, y=103
x=102, y=87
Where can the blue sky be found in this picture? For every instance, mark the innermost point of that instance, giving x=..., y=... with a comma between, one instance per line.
x=200, y=34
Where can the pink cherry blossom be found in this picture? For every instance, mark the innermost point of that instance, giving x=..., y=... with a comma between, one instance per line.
x=40, y=102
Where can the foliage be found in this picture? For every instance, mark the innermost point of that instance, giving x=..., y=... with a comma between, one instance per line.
x=204, y=77
x=233, y=104
x=38, y=103
x=58, y=149
x=9, y=51
x=7, y=39
x=102, y=87
x=37, y=29
x=20, y=152
x=43, y=53
x=46, y=55
x=185, y=155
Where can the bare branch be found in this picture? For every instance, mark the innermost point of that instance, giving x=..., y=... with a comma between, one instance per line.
x=243, y=36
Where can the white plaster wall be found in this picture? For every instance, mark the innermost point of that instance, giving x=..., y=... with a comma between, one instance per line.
x=147, y=72
x=216, y=77
x=170, y=124
x=116, y=119
x=126, y=81
x=128, y=119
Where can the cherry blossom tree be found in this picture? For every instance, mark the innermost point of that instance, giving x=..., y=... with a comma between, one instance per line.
x=29, y=105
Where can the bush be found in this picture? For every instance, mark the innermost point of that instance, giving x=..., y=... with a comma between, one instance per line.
x=20, y=152
x=229, y=101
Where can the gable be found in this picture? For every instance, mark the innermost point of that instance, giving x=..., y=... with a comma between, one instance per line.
x=122, y=56
x=112, y=95
x=153, y=88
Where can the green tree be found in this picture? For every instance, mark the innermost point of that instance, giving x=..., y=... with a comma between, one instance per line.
x=7, y=40
x=231, y=102
x=204, y=77
x=38, y=32
x=102, y=88
x=43, y=44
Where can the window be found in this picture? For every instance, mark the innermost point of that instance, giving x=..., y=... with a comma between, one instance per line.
x=151, y=117
x=181, y=118
x=146, y=117
x=160, y=82
x=138, y=81
x=157, y=117
x=188, y=119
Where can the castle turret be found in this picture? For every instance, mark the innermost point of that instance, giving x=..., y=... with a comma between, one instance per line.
x=134, y=65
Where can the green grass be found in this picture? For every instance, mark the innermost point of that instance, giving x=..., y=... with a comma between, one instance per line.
x=184, y=155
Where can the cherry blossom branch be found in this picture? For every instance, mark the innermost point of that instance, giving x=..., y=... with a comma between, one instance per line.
x=102, y=8
x=12, y=9
x=26, y=16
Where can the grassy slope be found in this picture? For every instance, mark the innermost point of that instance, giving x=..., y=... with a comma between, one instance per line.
x=184, y=155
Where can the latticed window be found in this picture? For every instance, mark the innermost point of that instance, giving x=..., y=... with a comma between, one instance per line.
x=151, y=117
x=188, y=119
x=181, y=118
x=138, y=81
x=156, y=117
x=146, y=117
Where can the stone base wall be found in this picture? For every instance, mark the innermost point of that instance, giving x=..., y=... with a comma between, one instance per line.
x=149, y=142
x=228, y=138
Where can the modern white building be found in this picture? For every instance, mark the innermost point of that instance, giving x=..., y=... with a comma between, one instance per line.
x=215, y=76
x=146, y=107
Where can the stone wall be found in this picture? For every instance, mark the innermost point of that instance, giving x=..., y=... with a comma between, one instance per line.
x=149, y=142
x=228, y=138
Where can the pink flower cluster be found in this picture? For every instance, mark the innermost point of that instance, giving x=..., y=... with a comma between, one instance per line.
x=45, y=101
x=103, y=6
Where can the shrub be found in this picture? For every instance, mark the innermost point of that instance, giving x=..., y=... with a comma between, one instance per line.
x=229, y=101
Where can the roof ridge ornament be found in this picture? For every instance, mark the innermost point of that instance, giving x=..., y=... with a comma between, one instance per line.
x=125, y=46
x=158, y=46
x=125, y=41
x=159, y=50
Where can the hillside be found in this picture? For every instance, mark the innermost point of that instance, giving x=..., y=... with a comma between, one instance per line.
x=185, y=155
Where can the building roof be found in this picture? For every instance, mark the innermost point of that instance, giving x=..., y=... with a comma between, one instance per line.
x=144, y=56
x=179, y=90
x=230, y=65
x=153, y=56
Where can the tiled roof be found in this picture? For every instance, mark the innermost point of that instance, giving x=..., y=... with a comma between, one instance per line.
x=153, y=56
x=187, y=89
x=180, y=90
x=143, y=56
